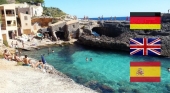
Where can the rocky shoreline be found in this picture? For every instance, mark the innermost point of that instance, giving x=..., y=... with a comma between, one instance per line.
x=116, y=35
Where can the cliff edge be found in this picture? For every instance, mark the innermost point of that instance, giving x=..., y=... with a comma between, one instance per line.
x=116, y=35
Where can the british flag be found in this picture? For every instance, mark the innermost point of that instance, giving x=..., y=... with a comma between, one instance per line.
x=145, y=46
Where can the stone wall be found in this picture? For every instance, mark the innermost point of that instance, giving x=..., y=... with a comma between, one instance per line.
x=53, y=28
x=71, y=30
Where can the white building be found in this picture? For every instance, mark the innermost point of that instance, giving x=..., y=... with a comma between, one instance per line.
x=37, y=10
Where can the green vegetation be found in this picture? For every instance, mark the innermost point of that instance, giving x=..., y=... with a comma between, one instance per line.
x=29, y=1
x=53, y=11
x=48, y=11
x=5, y=42
x=3, y=2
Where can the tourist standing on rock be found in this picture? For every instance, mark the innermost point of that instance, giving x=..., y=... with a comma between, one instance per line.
x=16, y=45
x=23, y=44
x=51, y=38
x=12, y=44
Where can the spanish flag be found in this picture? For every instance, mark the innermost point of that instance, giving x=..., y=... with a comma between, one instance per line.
x=145, y=71
x=145, y=20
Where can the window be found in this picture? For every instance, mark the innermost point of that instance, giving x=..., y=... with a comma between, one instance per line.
x=2, y=12
x=26, y=24
x=9, y=23
x=73, y=26
x=25, y=18
x=26, y=12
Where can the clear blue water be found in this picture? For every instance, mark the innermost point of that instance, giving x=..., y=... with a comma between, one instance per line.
x=107, y=67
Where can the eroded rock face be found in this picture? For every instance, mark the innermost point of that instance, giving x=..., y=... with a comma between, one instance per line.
x=87, y=30
x=117, y=36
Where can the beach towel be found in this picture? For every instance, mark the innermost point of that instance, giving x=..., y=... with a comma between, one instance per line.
x=26, y=65
x=20, y=63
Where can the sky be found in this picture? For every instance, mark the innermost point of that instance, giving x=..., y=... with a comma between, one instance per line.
x=108, y=8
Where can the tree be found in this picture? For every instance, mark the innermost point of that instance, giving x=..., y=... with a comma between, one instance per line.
x=39, y=1
x=3, y=2
x=30, y=1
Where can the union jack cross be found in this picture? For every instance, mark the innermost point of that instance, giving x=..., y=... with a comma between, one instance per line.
x=145, y=46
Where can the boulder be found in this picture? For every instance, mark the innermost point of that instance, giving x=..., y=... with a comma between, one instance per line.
x=106, y=89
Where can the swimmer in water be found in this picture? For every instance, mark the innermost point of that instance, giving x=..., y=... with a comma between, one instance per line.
x=91, y=59
x=53, y=51
x=168, y=69
x=86, y=59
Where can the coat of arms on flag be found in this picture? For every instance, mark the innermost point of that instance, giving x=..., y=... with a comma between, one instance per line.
x=145, y=46
x=145, y=71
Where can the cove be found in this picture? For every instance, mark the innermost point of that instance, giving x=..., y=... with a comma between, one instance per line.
x=108, y=68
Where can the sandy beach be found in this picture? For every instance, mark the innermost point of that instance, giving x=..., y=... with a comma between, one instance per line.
x=23, y=79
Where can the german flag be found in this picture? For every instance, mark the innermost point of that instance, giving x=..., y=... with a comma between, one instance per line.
x=145, y=20
x=145, y=71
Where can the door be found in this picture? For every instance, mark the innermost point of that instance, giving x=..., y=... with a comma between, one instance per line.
x=4, y=37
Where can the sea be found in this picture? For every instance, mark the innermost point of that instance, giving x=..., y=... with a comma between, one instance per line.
x=109, y=18
x=108, y=67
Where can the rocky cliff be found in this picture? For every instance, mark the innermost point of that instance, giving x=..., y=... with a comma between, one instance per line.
x=115, y=35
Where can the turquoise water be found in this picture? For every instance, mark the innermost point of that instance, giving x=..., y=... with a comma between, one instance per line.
x=107, y=67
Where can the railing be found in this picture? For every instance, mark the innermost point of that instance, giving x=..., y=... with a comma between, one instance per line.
x=10, y=14
x=11, y=24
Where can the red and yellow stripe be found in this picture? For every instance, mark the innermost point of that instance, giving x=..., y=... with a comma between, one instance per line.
x=151, y=72
x=145, y=20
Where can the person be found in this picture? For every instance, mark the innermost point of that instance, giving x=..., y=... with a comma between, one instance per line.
x=16, y=51
x=7, y=55
x=22, y=43
x=12, y=44
x=17, y=58
x=53, y=51
x=16, y=45
x=43, y=59
x=39, y=63
x=86, y=59
x=27, y=62
x=168, y=69
x=91, y=59
x=49, y=50
x=51, y=38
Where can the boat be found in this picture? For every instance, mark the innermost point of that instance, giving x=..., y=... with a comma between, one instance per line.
x=39, y=35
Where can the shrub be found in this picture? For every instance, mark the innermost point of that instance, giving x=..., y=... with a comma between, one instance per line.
x=5, y=42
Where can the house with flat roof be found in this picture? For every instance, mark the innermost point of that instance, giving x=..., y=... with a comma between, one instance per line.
x=37, y=10
x=33, y=10
x=8, y=21
x=16, y=19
